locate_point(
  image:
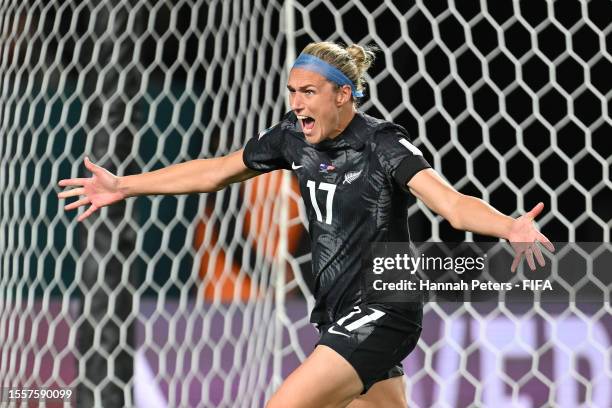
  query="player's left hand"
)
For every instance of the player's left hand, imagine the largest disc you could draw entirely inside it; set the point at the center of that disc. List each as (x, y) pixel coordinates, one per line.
(524, 238)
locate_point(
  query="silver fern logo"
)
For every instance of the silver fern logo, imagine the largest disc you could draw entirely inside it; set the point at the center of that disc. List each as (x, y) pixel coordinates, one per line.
(351, 176)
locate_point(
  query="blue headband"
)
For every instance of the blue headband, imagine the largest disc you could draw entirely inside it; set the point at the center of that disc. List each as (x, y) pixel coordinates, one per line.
(314, 64)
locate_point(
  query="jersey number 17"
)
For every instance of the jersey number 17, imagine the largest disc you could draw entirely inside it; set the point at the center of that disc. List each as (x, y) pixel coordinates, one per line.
(331, 189)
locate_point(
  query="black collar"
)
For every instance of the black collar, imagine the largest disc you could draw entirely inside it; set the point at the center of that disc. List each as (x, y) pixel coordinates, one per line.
(353, 136)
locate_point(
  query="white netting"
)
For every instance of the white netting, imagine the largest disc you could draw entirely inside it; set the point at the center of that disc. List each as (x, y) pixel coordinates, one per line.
(183, 299)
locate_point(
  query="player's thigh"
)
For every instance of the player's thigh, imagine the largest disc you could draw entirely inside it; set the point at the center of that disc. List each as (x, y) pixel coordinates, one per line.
(387, 393)
(324, 379)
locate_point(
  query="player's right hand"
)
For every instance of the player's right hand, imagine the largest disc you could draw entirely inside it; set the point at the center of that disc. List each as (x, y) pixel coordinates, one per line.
(100, 190)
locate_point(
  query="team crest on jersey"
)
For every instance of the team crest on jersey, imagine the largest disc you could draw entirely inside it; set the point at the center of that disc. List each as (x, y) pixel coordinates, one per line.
(351, 176)
(326, 168)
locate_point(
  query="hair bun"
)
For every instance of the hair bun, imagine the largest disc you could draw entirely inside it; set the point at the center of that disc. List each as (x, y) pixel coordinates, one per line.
(353, 61)
(363, 56)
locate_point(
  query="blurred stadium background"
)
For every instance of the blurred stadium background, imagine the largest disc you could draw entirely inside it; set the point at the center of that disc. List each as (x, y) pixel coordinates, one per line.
(202, 300)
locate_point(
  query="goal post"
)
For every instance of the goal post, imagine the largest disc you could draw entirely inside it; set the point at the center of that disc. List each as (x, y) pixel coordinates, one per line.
(509, 101)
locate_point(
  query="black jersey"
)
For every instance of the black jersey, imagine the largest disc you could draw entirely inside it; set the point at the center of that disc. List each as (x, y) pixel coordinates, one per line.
(354, 190)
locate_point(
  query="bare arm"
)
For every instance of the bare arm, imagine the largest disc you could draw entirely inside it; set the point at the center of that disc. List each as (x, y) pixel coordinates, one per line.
(195, 176)
(464, 212)
(469, 213)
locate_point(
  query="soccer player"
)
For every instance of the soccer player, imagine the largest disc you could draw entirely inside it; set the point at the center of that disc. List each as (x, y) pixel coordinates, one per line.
(355, 173)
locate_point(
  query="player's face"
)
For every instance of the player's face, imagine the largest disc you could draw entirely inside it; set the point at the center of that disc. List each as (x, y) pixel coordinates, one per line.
(317, 103)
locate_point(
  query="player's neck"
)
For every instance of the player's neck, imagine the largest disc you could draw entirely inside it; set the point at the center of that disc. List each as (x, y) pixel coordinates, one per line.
(346, 116)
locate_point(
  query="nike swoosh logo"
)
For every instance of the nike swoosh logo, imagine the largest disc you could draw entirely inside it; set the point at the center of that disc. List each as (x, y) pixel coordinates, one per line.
(332, 331)
(294, 166)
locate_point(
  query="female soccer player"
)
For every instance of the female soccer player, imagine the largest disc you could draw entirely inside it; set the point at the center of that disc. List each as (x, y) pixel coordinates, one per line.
(355, 174)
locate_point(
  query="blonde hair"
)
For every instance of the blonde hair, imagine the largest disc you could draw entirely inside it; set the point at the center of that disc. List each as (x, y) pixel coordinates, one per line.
(353, 60)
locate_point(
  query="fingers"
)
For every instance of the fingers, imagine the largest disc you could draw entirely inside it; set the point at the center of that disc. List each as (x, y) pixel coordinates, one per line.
(538, 255)
(79, 182)
(535, 211)
(71, 193)
(89, 165)
(516, 261)
(77, 204)
(87, 213)
(530, 261)
(547, 244)
(72, 182)
(529, 250)
(93, 168)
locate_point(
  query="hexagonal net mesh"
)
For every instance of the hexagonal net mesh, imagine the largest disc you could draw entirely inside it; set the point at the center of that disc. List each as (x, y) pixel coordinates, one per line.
(203, 300)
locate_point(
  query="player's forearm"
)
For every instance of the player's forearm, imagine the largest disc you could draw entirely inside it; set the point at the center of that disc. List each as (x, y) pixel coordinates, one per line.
(473, 214)
(195, 176)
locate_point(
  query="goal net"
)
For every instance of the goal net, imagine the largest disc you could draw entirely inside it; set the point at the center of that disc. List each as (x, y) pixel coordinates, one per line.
(203, 300)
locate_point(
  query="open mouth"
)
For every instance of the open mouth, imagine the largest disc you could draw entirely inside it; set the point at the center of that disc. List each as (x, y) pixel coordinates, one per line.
(307, 123)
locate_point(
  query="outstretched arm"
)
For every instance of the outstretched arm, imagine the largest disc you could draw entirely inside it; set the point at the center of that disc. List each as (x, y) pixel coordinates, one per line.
(195, 176)
(469, 213)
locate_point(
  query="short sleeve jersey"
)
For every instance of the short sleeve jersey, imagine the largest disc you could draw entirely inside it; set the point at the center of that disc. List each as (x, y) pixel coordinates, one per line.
(354, 191)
